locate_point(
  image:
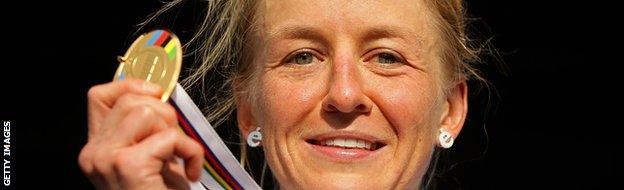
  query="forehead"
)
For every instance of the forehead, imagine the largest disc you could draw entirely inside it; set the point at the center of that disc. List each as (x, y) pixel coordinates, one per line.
(403, 18)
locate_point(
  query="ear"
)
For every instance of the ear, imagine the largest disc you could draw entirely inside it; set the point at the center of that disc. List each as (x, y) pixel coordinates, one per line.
(244, 114)
(455, 109)
(245, 117)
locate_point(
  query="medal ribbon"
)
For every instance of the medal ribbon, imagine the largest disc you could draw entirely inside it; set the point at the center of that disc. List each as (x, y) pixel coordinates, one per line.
(221, 169)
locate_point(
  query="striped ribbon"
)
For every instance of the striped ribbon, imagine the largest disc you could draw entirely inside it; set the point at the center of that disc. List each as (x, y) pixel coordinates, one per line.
(221, 169)
(161, 38)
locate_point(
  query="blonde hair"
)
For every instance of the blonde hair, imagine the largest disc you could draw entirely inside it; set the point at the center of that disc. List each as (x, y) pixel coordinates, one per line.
(222, 45)
(459, 52)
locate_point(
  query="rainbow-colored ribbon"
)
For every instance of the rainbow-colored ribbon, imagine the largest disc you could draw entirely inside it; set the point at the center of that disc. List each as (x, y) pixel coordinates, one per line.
(221, 169)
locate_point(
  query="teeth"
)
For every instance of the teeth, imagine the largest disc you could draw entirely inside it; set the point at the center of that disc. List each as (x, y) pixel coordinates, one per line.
(349, 143)
(340, 142)
(360, 144)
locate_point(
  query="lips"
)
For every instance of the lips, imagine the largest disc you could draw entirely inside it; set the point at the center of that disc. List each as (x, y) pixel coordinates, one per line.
(347, 143)
(345, 147)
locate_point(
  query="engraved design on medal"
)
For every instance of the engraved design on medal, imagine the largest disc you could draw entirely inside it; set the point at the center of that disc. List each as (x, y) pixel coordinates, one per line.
(155, 57)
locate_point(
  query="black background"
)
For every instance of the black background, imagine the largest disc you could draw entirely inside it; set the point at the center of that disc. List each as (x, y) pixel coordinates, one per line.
(552, 118)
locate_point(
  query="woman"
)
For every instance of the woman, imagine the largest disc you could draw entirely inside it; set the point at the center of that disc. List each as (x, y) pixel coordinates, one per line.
(346, 94)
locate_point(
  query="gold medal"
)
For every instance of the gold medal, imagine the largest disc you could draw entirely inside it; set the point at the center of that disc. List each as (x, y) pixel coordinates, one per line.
(155, 57)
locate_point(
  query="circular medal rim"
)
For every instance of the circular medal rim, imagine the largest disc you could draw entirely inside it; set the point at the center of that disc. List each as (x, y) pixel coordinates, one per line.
(177, 61)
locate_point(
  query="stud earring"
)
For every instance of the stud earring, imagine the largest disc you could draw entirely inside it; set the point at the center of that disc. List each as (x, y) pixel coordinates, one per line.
(254, 138)
(445, 138)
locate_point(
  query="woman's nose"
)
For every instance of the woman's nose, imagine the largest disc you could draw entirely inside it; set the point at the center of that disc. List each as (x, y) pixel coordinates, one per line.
(346, 93)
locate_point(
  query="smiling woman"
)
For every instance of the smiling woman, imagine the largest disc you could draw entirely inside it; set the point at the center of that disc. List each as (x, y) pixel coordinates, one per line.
(341, 91)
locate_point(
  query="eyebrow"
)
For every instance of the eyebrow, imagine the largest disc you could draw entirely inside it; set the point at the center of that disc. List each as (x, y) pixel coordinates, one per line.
(392, 31)
(297, 32)
(387, 31)
(312, 33)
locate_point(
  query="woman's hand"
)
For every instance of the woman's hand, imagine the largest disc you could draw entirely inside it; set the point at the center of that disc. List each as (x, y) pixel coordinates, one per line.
(134, 139)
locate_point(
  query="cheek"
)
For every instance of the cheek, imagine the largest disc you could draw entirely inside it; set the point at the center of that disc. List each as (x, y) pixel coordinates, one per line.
(284, 102)
(408, 106)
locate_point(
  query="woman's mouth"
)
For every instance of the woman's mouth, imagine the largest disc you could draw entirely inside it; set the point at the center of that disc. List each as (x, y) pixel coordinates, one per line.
(346, 143)
(345, 148)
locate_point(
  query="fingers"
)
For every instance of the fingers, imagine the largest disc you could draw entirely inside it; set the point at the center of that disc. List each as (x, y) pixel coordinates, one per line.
(148, 162)
(131, 120)
(171, 141)
(109, 92)
(102, 98)
(146, 165)
(128, 113)
(174, 175)
(99, 158)
(130, 102)
(86, 162)
(138, 124)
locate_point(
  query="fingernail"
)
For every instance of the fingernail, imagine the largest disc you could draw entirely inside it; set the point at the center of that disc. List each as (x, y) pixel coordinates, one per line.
(150, 87)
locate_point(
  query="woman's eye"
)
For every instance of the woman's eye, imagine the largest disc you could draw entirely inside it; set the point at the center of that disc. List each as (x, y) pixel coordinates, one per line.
(303, 58)
(386, 58)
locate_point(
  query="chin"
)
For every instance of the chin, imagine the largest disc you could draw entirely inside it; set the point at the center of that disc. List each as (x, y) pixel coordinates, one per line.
(341, 181)
(341, 161)
(345, 164)
(352, 158)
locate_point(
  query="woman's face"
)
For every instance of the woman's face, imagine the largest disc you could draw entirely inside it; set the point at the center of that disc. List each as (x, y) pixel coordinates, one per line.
(348, 93)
